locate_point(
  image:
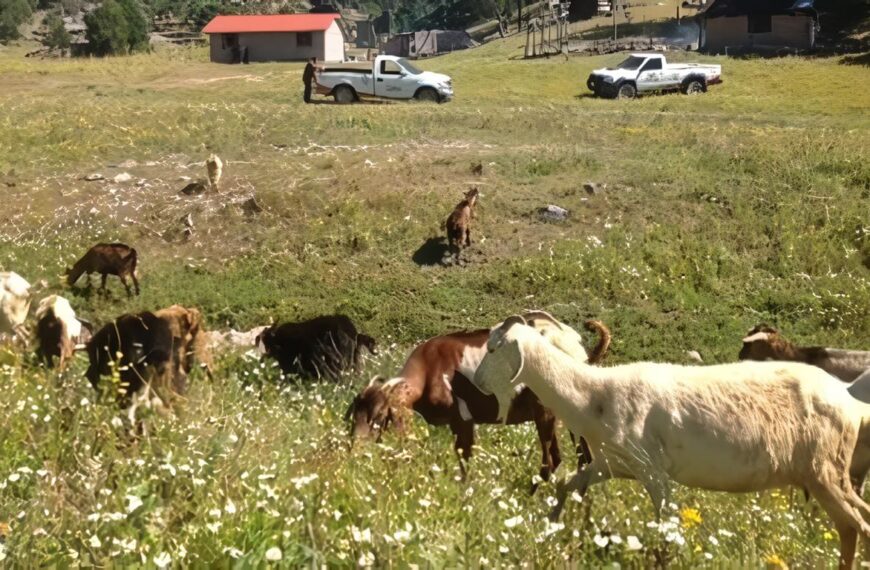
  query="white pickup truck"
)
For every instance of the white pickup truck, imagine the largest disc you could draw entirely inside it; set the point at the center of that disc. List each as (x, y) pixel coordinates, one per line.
(645, 72)
(388, 77)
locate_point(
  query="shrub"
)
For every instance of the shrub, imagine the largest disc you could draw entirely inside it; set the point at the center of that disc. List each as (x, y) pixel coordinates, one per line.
(13, 13)
(57, 37)
(117, 27)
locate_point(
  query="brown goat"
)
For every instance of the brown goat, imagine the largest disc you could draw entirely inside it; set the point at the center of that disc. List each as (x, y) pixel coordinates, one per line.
(107, 259)
(458, 224)
(434, 382)
(764, 342)
(190, 340)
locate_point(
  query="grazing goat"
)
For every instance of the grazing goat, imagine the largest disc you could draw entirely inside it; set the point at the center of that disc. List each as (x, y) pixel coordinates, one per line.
(141, 346)
(765, 343)
(434, 382)
(215, 167)
(107, 259)
(58, 332)
(190, 340)
(739, 427)
(14, 304)
(322, 347)
(458, 224)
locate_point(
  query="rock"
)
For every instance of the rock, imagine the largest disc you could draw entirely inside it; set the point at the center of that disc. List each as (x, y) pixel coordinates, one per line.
(184, 178)
(142, 183)
(123, 177)
(553, 213)
(195, 188)
(594, 188)
(695, 356)
(251, 207)
(94, 177)
(129, 163)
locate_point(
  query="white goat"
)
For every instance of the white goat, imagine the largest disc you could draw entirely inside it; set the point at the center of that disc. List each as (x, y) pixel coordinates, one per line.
(14, 304)
(738, 427)
(766, 343)
(215, 168)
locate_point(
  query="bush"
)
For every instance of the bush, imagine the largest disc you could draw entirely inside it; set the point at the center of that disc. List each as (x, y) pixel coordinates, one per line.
(117, 27)
(57, 37)
(13, 13)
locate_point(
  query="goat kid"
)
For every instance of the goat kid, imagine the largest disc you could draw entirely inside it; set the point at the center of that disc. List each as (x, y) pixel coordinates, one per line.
(107, 259)
(458, 224)
(741, 427)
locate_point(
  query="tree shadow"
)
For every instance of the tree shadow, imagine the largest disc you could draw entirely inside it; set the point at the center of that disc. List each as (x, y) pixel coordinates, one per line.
(863, 59)
(432, 252)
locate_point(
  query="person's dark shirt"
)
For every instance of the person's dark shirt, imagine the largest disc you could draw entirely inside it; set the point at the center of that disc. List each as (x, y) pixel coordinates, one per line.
(308, 74)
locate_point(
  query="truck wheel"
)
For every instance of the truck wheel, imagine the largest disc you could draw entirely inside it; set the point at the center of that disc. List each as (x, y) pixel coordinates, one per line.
(693, 87)
(626, 91)
(427, 95)
(344, 94)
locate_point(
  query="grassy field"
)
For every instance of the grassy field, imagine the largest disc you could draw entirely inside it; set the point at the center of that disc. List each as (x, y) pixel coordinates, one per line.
(747, 204)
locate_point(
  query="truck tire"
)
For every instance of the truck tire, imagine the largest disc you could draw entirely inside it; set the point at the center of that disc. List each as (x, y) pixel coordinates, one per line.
(626, 91)
(344, 94)
(427, 95)
(694, 86)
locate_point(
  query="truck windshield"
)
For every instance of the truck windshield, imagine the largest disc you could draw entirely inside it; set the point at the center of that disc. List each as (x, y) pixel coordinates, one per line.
(409, 67)
(631, 63)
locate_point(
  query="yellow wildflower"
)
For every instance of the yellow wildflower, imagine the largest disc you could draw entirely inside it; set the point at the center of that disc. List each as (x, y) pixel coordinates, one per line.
(690, 517)
(774, 562)
(828, 535)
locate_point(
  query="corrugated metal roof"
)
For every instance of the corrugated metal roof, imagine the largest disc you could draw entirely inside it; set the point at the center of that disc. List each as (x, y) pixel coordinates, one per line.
(720, 8)
(270, 23)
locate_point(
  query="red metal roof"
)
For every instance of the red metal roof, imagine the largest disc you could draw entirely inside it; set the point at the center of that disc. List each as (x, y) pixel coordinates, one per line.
(270, 23)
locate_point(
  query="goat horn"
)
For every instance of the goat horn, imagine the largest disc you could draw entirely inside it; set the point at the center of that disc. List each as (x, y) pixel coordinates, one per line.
(757, 336)
(542, 315)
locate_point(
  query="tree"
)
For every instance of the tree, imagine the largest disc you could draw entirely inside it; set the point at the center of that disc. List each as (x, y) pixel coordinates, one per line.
(58, 37)
(13, 13)
(137, 25)
(107, 29)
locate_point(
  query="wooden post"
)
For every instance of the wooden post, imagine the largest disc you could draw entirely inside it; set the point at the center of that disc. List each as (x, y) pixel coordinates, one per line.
(613, 11)
(520, 16)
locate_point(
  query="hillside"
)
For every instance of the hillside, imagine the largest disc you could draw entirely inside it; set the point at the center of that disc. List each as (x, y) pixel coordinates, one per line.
(746, 204)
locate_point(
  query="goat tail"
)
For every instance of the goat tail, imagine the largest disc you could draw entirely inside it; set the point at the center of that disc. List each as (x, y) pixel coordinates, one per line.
(604, 338)
(132, 258)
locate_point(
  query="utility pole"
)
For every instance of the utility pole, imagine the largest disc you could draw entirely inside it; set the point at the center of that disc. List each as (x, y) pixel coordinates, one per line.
(613, 11)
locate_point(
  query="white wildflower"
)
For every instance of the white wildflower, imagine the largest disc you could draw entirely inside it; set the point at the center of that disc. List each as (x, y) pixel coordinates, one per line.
(14, 477)
(601, 541)
(361, 535)
(503, 549)
(133, 503)
(366, 560)
(512, 522)
(95, 541)
(230, 507)
(162, 560)
(274, 554)
(633, 543)
(425, 503)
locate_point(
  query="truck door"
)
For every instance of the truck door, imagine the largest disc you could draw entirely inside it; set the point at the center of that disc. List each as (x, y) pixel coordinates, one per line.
(391, 81)
(650, 76)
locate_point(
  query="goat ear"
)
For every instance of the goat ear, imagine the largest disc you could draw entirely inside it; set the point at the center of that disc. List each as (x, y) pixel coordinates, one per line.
(351, 408)
(542, 315)
(514, 320)
(757, 336)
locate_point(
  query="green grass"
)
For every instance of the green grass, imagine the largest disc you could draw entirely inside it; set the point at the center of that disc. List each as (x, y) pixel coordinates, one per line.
(746, 204)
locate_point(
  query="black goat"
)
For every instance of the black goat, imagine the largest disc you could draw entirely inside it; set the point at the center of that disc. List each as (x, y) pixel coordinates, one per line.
(322, 347)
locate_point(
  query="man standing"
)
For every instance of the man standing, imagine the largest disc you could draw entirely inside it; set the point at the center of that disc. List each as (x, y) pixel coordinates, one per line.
(308, 77)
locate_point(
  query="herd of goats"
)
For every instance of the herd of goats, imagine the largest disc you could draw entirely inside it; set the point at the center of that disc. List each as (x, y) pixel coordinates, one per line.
(783, 415)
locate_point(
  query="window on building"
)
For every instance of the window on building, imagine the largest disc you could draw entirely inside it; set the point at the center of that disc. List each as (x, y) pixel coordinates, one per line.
(229, 41)
(303, 39)
(759, 23)
(390, 68)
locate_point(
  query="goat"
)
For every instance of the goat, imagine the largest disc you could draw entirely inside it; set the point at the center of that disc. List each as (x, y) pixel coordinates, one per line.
(107, 259)
(766, 343)
(322, 347)
(458, 224)
(58, 332)
(215, 167)
(190, 340)
(738, 427)
(15, 302)
(141, 346)
(434, 382)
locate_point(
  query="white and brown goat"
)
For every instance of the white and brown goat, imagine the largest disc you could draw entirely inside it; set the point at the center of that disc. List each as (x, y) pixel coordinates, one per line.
(59, 333)
(435, 382)
(764, 342)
